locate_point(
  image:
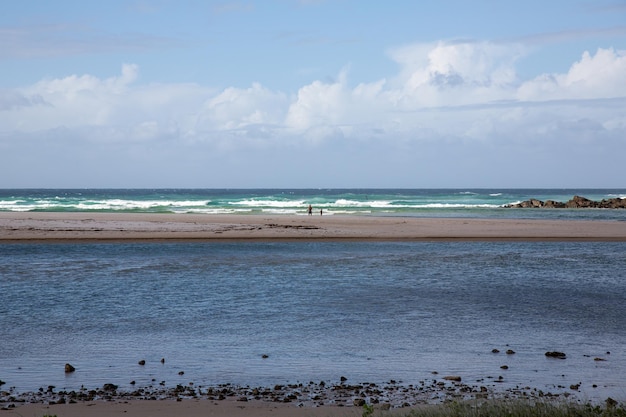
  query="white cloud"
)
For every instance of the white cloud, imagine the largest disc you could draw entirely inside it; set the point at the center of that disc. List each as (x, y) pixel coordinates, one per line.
(602, 75)
(235, 108)
(462, 99)
(93, 105)
(451, 77)
(73, 85)
(463, 63)
(459, 73)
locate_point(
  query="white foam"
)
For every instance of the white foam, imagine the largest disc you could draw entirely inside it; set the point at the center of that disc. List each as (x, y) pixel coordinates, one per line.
(269, 203)
(353, 203)
(118, 204)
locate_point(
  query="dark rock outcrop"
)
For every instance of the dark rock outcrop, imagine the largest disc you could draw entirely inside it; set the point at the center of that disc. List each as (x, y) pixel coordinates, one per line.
(575, 202)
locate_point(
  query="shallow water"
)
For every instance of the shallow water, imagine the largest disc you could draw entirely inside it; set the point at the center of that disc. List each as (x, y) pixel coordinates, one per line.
(370, 311)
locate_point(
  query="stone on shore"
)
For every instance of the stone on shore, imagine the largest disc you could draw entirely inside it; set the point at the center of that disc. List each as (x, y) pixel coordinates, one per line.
(109, 387)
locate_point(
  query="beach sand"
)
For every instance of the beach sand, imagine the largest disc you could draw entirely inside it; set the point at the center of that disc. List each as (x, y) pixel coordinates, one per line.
(44, 226)
(187, 408)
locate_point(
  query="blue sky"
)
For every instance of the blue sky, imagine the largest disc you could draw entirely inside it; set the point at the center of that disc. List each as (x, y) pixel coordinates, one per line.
(312, 93)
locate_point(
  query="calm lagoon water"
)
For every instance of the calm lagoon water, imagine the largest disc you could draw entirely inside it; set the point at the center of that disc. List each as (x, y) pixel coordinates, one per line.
(370, 311)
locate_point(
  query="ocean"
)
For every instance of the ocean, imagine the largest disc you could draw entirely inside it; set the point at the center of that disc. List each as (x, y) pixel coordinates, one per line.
(379, 202)
(266, 313)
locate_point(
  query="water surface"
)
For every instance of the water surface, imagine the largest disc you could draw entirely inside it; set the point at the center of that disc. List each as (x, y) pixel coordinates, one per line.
(370, 311)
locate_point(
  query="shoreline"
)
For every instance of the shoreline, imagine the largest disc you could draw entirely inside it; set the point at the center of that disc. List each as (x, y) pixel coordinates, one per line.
(102, 227)
(312, 399)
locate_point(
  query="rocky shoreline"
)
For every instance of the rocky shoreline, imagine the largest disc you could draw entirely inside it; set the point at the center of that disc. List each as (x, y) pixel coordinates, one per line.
(393, 394)
(575, 202)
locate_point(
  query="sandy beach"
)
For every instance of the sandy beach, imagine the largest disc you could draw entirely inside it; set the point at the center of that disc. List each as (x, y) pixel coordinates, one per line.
(187, 408)
(29, 226)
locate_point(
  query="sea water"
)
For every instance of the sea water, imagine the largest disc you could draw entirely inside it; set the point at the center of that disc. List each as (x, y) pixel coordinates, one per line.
(379, 202)
(264, 313)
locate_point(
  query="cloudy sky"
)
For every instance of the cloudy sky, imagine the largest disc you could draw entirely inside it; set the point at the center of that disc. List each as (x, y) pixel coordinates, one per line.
(313, 93)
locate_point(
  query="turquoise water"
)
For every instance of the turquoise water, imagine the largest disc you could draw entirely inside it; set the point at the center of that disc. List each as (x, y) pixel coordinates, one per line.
(388, 202)
(370, 311)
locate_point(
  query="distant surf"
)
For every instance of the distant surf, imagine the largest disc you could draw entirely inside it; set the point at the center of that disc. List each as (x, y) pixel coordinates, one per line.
(378, 202)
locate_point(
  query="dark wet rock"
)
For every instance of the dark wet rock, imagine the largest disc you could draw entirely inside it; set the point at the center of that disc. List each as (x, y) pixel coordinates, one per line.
(455, 378)
(504, 367)
(358, 402)
(69, 368)
(555, 354)
(109, 387)
(495, 350)
(162, 360)
(599, 359)
(142, 362)
(510, 352)
(575, 202)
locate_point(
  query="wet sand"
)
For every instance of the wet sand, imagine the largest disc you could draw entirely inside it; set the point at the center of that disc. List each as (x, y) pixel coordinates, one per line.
(187, 408)
(28, 226)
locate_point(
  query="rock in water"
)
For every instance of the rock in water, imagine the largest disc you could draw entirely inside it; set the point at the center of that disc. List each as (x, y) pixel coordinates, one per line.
(69, 368)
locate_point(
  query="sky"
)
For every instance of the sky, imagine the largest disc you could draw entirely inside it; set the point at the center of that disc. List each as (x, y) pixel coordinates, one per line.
(313, 94)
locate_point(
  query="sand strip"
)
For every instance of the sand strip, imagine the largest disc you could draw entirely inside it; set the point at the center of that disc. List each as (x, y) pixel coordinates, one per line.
(29, 226)
(187, 408)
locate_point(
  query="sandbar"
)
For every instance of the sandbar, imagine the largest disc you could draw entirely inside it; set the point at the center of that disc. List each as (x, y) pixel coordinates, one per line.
(84, 226)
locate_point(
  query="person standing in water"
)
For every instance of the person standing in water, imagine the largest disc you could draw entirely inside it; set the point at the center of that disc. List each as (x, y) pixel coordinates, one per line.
(310, 210)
